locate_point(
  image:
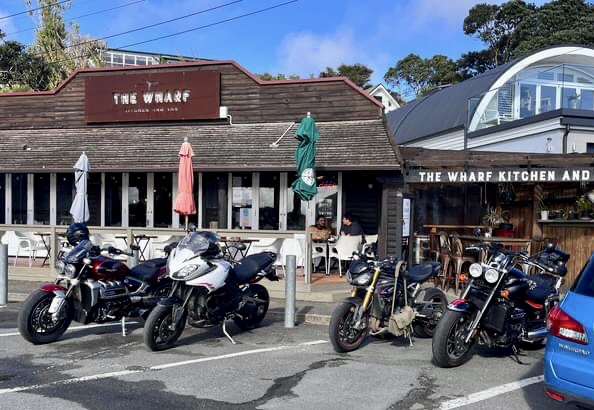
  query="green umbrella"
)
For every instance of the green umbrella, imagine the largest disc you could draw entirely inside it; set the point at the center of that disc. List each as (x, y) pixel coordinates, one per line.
(305, 157)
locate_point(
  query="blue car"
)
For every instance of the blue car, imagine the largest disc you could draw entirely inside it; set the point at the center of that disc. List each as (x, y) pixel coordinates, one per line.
(569, 355)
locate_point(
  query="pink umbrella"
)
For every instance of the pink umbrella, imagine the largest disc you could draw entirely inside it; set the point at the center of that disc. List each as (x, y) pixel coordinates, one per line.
(184, 203)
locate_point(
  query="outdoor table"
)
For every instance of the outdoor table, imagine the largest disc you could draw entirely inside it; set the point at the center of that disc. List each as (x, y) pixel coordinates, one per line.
(242, 252)
(137, 239)
(46, 244)
(500, 239)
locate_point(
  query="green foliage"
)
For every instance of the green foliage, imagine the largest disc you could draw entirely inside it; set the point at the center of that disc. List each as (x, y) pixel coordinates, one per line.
(357, 73)
(21, 70)
(415, 75)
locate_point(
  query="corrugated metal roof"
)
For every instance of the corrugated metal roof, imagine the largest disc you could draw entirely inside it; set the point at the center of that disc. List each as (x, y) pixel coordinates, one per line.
(440, 111)
(343, 145)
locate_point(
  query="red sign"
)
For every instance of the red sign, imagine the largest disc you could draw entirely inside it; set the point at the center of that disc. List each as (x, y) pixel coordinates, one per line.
(177, 95)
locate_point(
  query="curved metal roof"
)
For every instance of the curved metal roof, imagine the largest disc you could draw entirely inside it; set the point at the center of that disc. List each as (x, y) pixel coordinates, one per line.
(440, 111)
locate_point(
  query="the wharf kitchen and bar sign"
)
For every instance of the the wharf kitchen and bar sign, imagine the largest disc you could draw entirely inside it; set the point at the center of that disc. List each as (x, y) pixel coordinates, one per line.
(145, 96)
(501, 175)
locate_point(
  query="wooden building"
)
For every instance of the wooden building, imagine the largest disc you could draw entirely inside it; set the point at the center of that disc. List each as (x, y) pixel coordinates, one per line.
(132, 121)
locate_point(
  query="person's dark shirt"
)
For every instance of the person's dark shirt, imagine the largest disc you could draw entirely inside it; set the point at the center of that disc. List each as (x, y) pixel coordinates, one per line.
(353, 229)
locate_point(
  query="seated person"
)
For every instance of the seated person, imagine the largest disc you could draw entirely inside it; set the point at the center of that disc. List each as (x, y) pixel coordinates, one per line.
(319, 231)
(349, 226)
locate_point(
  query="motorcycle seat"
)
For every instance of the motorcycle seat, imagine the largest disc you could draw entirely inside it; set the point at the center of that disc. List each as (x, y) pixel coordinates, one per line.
(422, 272)
(148, 270)
(249, 266)
(544, 287)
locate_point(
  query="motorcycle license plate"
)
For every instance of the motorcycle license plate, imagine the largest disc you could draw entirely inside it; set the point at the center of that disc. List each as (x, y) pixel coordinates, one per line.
(56, 303)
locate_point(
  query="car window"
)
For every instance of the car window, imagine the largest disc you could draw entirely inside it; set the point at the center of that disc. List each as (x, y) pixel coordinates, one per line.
(584, 284)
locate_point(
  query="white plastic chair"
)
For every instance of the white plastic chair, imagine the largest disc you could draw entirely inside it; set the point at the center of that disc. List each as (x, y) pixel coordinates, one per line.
(319, 251)
(344, 248)
(29, 243)
(158, 244)
(265, 244)
(369, 240)
(290, 246)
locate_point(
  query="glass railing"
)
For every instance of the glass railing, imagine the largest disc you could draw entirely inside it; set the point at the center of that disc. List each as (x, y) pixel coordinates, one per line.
(532, 92)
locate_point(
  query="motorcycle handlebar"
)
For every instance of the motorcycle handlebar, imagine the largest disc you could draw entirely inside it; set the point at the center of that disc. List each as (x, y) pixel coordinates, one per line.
(116, 251)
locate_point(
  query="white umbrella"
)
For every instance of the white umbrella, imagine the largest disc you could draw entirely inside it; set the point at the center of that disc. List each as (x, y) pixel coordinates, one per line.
(80, 206)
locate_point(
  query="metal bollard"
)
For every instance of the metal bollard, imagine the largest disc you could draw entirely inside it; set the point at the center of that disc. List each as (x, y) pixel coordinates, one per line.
(133, 260)
(3, 274)
(290, 290)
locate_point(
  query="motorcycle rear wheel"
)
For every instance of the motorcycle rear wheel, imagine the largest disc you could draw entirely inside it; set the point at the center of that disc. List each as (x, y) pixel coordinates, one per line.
(253, 312)
(343, 336)
(157, 332)
(426, 327)
(449, 348)
(36, 325)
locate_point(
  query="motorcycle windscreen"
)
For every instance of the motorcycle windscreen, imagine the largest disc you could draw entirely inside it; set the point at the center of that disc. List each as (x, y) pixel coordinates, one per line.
(79, 252)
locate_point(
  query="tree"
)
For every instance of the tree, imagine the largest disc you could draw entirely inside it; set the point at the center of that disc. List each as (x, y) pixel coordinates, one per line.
(64, 51)
(359, 74)
(414, 76)
(475, 62)
(21, 70)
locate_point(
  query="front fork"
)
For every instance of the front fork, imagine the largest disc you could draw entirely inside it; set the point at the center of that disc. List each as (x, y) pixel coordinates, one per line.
(362, 308)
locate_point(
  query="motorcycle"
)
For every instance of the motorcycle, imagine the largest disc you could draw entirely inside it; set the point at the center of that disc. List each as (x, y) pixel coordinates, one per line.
(89, 288)
(386, 298)
(502, 306)
(208, 290)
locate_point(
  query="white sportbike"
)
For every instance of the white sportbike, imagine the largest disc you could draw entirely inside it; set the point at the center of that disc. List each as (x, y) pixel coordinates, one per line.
(208, 290)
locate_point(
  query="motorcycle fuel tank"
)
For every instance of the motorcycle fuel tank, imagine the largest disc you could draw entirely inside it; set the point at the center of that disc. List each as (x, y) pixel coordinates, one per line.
(215, 279)
(108, 269)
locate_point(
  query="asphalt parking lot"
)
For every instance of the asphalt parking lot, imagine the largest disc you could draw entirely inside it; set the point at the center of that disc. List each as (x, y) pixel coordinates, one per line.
(270, 367)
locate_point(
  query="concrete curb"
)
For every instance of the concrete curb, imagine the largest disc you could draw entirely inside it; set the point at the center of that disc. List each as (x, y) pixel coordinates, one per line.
(309, 318)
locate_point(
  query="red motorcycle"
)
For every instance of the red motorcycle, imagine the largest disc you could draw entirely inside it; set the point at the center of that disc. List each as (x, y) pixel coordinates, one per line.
(91, 287)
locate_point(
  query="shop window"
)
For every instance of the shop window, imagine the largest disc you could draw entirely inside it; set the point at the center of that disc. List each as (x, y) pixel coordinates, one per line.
(41, 199)
(327, 198)
(194, 217)
(296, 209)
(269, 200)
(214, 200)
(163, 199)
(19, 198)
(113, 199)
(65, 193)
(94, 198)
(242, 212)
(2, 198)
(590, 147)
(137, 199)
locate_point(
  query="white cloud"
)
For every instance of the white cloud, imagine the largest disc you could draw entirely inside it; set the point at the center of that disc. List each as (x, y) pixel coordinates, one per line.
(306, 53)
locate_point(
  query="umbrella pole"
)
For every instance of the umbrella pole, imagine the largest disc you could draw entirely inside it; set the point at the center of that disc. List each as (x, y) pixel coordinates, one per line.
(186, 223)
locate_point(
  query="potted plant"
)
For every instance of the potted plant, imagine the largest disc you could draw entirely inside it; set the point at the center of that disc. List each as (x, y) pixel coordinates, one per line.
(584, 206)
(495, 216)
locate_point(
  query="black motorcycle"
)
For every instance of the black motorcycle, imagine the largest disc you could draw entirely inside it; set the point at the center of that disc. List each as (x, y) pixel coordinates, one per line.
(386, 298)
(502, 306)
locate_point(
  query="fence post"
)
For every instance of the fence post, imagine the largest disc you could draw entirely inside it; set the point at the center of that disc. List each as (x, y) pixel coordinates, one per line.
(290, 290)
(3, 274)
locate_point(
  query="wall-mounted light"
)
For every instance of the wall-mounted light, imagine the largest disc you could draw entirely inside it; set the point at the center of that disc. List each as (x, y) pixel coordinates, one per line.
(549, 145)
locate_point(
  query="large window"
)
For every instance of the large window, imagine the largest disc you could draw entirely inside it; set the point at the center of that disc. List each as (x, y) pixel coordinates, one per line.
(163, 199)
(65, 193)
(94, 198)
(137, 199)
(327, 198)
(41, 199)
(296, 209)
(214, 200)
(241, 217)
(113, 199)
(19, 198)
(269, 200)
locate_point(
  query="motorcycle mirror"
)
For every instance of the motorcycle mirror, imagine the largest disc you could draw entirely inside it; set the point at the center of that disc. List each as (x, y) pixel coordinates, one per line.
(191, 227)
(476, 232)
(135, 247)
(550, 246)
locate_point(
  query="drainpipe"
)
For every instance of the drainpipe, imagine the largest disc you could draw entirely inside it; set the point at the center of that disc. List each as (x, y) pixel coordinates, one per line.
(565, 134)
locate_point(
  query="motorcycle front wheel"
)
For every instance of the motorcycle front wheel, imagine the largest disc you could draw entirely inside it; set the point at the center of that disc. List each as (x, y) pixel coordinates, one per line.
(160, 332)
(254, 310)
(35, 322)
(343, 334)
(449, 346)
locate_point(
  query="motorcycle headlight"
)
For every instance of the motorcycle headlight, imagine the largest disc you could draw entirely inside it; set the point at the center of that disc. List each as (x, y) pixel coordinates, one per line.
(475, 270)
(184, 272)
(60, 265)
(491, 275)
(360, 280)
(70, 270)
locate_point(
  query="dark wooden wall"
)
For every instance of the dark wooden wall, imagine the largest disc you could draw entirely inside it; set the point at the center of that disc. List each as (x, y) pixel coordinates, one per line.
(248, 100)
(577, 240)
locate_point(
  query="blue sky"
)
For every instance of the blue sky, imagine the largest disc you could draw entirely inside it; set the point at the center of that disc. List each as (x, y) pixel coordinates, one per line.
(299, 38)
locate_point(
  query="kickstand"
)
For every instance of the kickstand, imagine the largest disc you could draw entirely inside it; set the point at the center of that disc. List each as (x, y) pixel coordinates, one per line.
(516, 352)
(123, 326)
(227, 334)
(410, 342)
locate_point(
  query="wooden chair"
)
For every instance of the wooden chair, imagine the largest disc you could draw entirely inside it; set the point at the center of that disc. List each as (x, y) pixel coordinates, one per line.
(443, 257)
(458, 260)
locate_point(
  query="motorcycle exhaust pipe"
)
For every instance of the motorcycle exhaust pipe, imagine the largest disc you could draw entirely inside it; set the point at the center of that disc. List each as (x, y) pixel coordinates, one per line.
(537, 334)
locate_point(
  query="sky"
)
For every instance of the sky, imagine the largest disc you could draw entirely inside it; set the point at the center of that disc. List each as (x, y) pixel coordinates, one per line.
(303, 37)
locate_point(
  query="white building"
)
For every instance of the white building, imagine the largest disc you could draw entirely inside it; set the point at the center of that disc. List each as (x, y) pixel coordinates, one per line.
(383, 95)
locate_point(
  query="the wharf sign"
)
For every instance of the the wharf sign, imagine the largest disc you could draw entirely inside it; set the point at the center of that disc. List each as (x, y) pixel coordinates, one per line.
(495, 175)
(152, 96)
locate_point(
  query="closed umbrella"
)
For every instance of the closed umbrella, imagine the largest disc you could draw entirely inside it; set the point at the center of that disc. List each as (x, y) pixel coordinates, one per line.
(305, 158)
(80, 206)
(184, 203)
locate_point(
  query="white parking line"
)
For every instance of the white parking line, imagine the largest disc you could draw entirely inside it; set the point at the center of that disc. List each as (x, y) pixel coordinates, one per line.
(76, 328)
(489, 393)
(159, 367)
